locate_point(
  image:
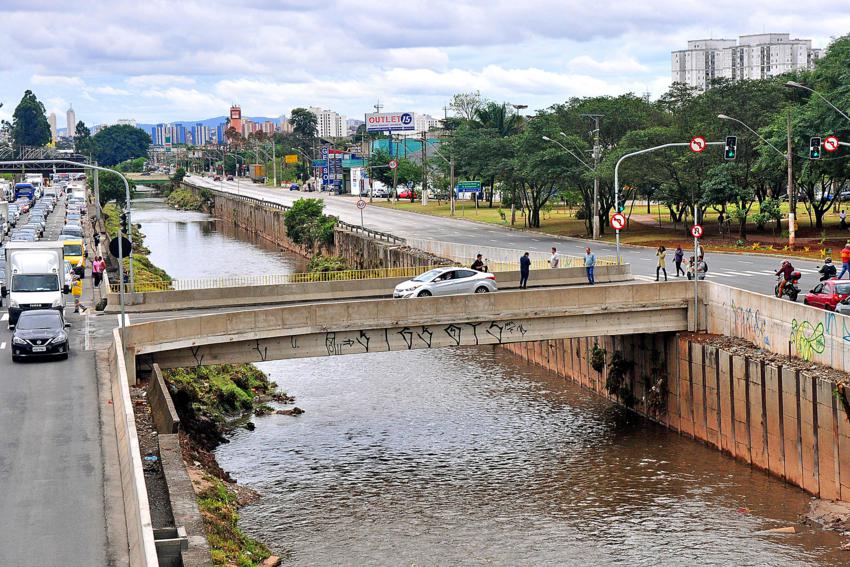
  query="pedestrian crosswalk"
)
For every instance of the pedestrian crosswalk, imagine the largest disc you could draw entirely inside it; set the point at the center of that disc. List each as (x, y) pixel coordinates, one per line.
(721, 275)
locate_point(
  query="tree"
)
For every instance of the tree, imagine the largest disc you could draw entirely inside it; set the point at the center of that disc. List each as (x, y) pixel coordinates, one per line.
(466, 104)
(29, 123)
(112, 188)
(304, 123)
(115, 144)
(82, 139)
(307, 225)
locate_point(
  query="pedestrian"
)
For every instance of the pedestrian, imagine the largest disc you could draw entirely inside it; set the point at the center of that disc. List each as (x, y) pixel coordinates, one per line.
(555, 260)
(691, 268)
(678, 257)
(77, 292)
(524, 269)
(843, 216)
(720, 220)
(96, 238)
(97, 269)
(478, 264)
(589, 264)
(845, 261)
(702, 268)
(662, 263)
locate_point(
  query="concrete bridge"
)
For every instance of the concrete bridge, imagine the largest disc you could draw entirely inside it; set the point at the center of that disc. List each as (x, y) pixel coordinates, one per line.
(356, 327)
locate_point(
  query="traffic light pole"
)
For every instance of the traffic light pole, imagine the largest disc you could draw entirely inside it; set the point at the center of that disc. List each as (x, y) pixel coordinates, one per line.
(617, 178)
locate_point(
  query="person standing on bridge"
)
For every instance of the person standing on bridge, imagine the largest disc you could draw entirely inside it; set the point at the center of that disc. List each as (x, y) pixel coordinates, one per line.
(555, 260)
(845, 261)
(97, 268)
(524, 269)
(678, 257)
(589, 264)
(662, 263)
(478, 264)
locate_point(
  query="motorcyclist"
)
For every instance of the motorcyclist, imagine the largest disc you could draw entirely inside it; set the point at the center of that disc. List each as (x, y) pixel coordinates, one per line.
(828, 271)
(785, 270)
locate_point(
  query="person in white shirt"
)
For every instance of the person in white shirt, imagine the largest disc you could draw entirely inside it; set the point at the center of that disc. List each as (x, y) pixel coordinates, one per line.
(555, 260)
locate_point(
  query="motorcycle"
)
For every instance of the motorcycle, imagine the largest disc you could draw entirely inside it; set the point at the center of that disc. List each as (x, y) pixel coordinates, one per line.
(791, 289)
(826, 274)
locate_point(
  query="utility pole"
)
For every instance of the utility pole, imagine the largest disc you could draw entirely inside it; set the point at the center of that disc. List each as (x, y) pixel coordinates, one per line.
(424, 168)
(792, 194)
(597, 151)
(368, 153)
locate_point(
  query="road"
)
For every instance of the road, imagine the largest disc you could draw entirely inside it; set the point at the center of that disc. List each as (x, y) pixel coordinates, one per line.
(753, 272)
(52, 492)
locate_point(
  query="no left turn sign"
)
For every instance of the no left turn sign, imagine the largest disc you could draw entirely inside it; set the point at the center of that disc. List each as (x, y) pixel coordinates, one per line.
(697, 144)
(696, 230)
(393, 164)
(618, 221)
(830, 143)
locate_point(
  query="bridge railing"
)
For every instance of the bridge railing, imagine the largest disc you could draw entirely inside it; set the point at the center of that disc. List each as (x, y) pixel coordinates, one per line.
(496, 258)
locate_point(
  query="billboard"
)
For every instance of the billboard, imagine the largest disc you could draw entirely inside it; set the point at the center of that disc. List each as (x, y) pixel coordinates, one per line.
(390, 122)
(291, 158)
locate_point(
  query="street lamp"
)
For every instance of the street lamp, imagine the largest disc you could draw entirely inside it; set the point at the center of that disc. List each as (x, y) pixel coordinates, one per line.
(595, 212)
(796, 85)
(792, 203)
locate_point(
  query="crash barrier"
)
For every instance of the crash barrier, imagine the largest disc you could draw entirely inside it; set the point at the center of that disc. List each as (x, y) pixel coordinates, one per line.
(332, 290)
(137, 514)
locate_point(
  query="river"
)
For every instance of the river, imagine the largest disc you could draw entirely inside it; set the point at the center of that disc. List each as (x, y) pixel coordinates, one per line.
(473, 457)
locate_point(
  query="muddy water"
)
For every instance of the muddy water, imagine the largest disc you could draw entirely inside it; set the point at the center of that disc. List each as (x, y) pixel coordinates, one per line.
(471, 457)
(195, 245)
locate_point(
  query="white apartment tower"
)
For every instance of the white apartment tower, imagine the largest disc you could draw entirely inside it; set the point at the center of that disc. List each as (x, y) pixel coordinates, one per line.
(71, 118)
(758, 56)
(329, 124)
(51, 119)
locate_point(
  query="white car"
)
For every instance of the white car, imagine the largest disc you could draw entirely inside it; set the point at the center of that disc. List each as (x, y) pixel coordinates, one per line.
(446, 281)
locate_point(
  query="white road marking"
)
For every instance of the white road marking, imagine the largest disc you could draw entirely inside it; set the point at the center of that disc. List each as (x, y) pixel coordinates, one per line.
(2, 346)
(644, 278)
(807, 271)
(5, 317)
(723, 275)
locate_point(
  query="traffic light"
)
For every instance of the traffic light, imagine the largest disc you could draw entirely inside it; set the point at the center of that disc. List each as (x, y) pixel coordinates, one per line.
(814, 148)
(124, 228)
(731, 147)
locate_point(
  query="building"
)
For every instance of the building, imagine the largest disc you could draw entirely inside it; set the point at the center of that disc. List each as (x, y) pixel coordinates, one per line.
(200, 134)
(52, 121)
(285, 126)
(126, 122)
(424, 123)
(329, 124)
(71, 118)
(757, 56)
(235, 120)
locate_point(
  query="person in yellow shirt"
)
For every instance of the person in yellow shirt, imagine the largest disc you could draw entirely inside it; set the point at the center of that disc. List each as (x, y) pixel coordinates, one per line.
(77, 292)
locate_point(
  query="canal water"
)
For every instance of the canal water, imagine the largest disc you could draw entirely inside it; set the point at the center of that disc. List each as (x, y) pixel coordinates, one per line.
(473, 457)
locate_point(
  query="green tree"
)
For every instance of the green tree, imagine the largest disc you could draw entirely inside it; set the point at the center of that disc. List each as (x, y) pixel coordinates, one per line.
(307, 225)
(115, 144)
(111, 188)
(82, 139)
(304, 123)
(29, 123)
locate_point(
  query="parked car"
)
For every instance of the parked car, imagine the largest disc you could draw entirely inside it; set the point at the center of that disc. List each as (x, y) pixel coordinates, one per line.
(294, 187)
(407, 193)
(446, 281)
(40, 332)
(827, 294)
(216, 177)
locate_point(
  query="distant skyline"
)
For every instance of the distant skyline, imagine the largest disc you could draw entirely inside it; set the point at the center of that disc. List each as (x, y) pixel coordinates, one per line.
(165, 61)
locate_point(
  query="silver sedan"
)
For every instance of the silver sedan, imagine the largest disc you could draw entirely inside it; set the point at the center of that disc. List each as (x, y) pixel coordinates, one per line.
(447, 281)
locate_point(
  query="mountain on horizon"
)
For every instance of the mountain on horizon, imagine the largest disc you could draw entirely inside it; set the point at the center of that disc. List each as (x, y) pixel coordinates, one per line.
(210, 122)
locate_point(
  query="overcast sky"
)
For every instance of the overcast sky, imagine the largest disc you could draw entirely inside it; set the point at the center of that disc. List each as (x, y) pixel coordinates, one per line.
(156, 60)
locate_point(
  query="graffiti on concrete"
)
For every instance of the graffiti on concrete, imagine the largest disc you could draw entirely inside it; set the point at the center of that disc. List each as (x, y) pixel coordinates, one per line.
(750, 324)
(831, 322)
(807, 339)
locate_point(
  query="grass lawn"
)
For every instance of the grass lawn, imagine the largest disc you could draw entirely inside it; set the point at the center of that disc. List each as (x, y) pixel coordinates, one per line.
(655, 228)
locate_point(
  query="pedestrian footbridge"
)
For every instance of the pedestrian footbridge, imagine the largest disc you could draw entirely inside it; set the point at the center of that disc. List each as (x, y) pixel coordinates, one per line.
(367, 326)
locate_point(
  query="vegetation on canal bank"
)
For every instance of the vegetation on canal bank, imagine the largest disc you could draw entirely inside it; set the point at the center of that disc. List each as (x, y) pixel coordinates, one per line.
(320, 263)
(184, 200)
(144, 270)
(211, 400)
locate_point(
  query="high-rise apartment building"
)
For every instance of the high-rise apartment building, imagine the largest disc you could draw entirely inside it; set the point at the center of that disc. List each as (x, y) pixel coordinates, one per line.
(757, 56)
(52, 121)
(329, 124)
(71, 119)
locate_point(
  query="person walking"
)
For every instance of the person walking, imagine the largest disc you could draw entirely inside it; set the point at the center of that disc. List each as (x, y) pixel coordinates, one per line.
(589, 264)
(555, 260)
(843, 216)
(678, 257)
(97, 269)
(77, 292)
(96, 238)
(478, 264)
(845, 261)
(524, 269)
(662, 263)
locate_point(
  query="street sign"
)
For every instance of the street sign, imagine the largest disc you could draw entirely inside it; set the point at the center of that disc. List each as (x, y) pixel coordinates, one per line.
(830, 143)
(126, 246)
(696, 231)
(618, 221)
(290, 158)
(697, 144)
(468, 186)
(361, 204)
(393, 164)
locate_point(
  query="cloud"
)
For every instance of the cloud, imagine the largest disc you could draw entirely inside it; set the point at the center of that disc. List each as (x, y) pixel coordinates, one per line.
(586, 63)
(158, 80)
(57, 80)
(108, 90)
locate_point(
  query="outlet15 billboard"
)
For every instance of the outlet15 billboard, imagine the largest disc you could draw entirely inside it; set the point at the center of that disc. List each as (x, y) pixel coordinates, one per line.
(389, 122)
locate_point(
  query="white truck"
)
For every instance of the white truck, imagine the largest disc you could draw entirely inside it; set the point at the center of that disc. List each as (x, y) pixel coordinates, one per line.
(35, 277)
(37, 181)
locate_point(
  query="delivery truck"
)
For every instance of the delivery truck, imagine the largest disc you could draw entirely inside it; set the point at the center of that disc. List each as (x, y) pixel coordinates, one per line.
(34, 277)
(257, 172)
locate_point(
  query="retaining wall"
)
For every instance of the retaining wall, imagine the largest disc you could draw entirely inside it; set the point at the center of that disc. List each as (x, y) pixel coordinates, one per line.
(776, 418)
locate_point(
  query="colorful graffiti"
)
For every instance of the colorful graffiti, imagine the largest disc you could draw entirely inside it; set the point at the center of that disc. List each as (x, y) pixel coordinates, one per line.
(750, 324)
(831, 322)
(807, 339)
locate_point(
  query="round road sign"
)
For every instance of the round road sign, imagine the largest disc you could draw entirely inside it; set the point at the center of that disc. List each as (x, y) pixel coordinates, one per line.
(125, 244)
(830, 143)
(618, 221)
(393, 164)
(696, 230)
(697, 144)
(361, 204)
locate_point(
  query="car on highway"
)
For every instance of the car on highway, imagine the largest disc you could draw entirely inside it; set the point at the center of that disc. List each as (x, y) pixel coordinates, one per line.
(828, 294)
(40, 332)
(293, 187)
(23, 236)
(229, 178)
(71, 231)
(446, 281)
(216, 177)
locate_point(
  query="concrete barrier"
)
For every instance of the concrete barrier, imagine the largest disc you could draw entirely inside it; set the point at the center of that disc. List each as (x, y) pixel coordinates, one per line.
(334, 290)
(136, 508)
(164, 415)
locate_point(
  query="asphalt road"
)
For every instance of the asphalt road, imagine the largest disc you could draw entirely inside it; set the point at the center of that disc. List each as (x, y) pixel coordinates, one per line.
(753, 272)
(52, 496)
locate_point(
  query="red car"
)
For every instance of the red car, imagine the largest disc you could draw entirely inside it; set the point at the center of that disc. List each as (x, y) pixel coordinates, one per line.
(406, 194)
(217, 178)
(826, 295)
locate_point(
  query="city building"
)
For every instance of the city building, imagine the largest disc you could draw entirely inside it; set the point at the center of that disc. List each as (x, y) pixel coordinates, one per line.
(329, 124)
(757, 56)
(126, 122)
(285, 126)
(71, 118)
(52, 121)
(424, 122)
(235, 120)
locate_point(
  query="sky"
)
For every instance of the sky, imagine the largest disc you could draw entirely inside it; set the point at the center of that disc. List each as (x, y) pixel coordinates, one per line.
(162, 61)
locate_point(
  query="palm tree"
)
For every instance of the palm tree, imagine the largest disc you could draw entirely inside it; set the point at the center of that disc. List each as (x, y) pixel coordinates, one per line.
(503, 121)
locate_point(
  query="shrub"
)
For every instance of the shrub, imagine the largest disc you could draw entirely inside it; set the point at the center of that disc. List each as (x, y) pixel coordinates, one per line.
(307, 225)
